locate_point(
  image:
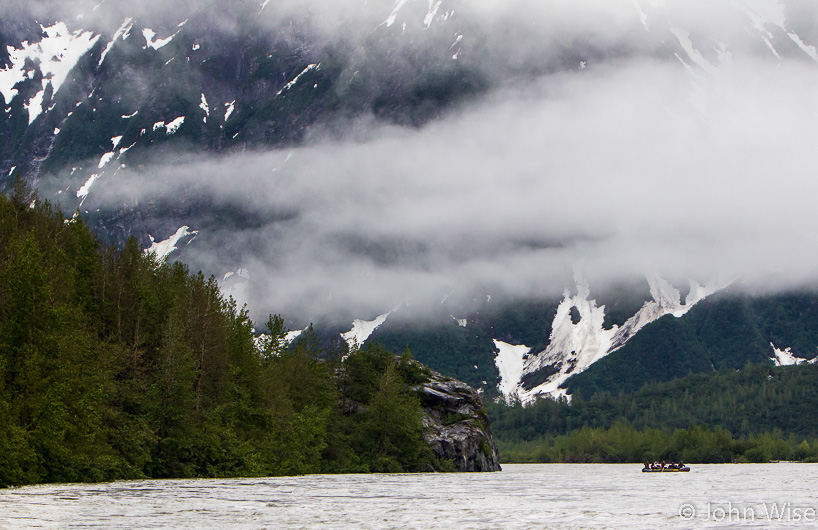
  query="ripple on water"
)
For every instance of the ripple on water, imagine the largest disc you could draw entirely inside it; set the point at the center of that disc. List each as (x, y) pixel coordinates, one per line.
(521, 497)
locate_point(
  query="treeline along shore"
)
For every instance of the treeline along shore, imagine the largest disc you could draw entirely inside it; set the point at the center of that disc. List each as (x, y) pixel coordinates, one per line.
(115, 365)
(757, 414)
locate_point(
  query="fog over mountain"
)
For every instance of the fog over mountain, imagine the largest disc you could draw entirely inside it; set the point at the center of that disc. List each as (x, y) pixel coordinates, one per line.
(612, 170)
(609, 139)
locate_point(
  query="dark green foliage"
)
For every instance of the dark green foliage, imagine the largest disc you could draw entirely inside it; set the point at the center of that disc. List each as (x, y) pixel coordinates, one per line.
(383, 419)
(754, 414)
(412, 372)
(468, 353)
(664, 350)
(113, 365)
(390, 431)
(622, 443)
(790, 320)
(727, 330)
(451, 419)
(450, 349)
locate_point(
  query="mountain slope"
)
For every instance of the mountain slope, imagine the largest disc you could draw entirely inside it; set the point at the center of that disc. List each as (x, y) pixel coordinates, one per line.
(728, 330)
(331, 161)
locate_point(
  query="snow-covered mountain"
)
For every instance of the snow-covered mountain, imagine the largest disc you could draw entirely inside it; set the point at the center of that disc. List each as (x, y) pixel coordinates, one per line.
(574, 346)
(57, 75)
(329, 160)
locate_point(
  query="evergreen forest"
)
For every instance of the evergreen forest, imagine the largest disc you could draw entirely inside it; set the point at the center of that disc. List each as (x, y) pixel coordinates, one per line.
(757, 414)
(115, 365)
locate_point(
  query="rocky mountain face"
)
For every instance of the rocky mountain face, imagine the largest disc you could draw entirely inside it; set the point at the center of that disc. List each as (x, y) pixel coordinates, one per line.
(92, 96)
(456, 424)
(208, 132)
(212, 80)
(88, 89)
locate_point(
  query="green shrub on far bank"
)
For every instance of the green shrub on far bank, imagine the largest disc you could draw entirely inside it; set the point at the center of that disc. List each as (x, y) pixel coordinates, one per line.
(623, 444)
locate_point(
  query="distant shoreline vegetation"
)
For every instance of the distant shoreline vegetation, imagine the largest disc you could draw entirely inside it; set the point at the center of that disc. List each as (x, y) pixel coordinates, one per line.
(757, 414)
(622, 444)
(114, 365)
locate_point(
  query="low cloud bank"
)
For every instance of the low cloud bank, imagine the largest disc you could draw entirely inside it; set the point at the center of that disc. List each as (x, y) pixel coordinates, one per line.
(619, 170)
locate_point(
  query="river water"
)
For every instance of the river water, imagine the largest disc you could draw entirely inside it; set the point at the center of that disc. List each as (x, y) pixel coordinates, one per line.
(520, 497)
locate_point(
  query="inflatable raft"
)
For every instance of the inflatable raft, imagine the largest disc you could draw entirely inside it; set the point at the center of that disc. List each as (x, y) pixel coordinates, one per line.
(666, 470)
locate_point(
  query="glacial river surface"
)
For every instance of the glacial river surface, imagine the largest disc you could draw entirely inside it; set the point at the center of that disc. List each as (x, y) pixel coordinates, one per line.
(520, 497)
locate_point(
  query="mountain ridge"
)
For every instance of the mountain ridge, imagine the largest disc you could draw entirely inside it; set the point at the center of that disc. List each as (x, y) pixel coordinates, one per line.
(302, 142)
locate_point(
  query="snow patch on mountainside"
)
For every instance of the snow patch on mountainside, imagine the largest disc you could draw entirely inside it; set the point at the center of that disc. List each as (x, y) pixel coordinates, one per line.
(34, 107)
(292, 335)
(229, 108)
(457, 40)
(123, 32)
(236, 284)
(509, 360)
(205, 107)
(104, 159)
(764, 12)
(430, 15)
(57, 53)
(695, 55)
(573, 347)
(666, 301)
(764, 16)
(82, 193)
(241, 273)
(785, 357)
(362, 329)
(759, 23)
(296, 78)
(164, 248)
(643, 17)
(170, 127)
(809, 50)
(174, 125)
(289, 337)
(428, 18)
(149, 35)
(394, 14)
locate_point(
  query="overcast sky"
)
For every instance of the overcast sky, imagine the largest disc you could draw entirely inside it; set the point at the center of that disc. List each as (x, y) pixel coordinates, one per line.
(634, 164)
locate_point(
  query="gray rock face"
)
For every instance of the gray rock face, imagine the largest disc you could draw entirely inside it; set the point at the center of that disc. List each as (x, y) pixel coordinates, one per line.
(457, 425)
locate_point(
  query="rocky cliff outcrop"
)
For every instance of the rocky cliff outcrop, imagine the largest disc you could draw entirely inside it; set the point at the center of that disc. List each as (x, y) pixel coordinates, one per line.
(457, 425)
